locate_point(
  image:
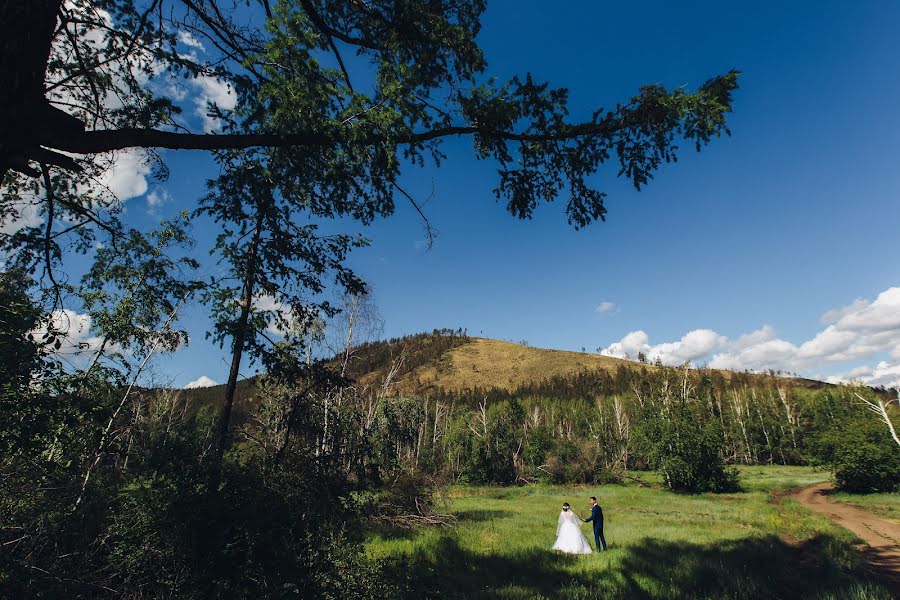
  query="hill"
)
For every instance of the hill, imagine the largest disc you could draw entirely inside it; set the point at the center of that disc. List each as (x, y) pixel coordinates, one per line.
(448, 362)
(482, 363)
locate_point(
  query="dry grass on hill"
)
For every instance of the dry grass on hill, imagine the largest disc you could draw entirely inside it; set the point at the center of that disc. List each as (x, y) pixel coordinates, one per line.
(484, 363)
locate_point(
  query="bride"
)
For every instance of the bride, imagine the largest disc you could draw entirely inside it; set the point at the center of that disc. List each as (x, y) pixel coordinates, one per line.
(569, 538)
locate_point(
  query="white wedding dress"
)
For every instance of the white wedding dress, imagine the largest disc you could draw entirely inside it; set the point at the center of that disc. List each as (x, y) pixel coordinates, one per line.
(569, 538)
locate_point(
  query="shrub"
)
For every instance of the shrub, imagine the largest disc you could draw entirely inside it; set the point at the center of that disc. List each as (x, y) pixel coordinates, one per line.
(866, 459)
(688, 452)
(855, 444)
(868, 468)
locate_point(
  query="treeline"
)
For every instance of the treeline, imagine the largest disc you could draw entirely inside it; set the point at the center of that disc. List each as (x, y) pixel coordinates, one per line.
(595, 426)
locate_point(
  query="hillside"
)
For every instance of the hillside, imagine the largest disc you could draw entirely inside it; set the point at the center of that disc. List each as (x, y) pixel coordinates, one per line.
(447, 362)
(481, 363)
(450, 362)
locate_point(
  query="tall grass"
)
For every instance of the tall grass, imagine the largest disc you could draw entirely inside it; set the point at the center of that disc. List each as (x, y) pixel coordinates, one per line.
(661, 545)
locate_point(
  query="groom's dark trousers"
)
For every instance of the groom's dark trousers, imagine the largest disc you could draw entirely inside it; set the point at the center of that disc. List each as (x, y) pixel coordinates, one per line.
(597, 518)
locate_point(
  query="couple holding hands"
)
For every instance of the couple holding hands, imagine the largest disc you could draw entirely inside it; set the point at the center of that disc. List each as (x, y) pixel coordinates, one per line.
(569, 538)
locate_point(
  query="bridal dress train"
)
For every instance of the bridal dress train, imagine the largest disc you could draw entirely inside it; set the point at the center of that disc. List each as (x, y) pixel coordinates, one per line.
(569, 538)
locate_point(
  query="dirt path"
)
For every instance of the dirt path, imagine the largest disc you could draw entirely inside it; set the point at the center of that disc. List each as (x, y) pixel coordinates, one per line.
(881, 535)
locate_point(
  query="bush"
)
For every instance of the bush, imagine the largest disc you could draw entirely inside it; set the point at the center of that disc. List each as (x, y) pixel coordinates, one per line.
(868, 468)
(866, 459)
(688, 452)
(855, 444)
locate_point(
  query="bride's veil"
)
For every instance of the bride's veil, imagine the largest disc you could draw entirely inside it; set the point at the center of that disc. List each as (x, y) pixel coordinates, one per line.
(564, 516)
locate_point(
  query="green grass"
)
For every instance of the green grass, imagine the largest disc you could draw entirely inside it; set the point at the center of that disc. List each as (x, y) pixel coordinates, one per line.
(886, 505)
(774, 477)
(662, 545)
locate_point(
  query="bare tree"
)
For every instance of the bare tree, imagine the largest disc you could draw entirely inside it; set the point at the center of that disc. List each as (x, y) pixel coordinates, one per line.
(880, 408)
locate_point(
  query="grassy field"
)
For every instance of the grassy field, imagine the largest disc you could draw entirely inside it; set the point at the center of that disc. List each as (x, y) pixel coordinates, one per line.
(662, 545)
(886, 505)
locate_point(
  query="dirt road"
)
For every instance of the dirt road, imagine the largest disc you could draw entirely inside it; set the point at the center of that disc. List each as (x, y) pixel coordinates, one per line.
(881, 535)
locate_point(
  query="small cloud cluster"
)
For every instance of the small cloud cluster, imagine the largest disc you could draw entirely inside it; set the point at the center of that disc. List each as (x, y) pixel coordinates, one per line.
(692, 346)
(201, 382)
(75, 330)
(606, 308)
(127, 175)
(188, 39)
(156, 199)
(25, 215)
(212, 91)
(859, 331)
(276, 310)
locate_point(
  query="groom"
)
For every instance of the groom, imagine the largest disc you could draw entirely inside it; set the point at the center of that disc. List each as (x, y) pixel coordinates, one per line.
(597, 518)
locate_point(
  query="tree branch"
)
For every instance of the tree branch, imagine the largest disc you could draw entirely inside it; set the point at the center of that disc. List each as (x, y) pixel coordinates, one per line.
(48, 237)
(430, 232)
(106, 140)
(322, 26)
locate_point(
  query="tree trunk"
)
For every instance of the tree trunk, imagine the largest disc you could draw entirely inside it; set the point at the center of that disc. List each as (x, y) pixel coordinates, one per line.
(240, 337)
(27, 120)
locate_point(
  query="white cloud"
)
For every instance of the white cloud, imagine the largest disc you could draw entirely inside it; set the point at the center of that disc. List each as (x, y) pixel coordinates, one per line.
(882, 314)
(188, 39)
(212, 91)
(835, 314)
(156, 199)
(628, 346)
(75, 330)
(270, 305)
(831, 342)
(606, 307)
(862, 330)
(759, 352)
(882, 374)
(127, 175)
(26, 215)
(693, 345)
(201, 382)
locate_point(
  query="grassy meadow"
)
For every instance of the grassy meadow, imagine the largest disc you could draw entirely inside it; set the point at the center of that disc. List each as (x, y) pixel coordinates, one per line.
(753, 544)
(886, 505)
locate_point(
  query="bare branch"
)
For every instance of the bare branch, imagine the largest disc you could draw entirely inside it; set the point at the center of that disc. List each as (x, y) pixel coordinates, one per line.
(879, 407)
(430, 231)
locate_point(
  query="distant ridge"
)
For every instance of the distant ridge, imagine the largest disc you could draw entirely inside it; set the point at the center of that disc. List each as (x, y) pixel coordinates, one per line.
(468, 363)
(448, 361)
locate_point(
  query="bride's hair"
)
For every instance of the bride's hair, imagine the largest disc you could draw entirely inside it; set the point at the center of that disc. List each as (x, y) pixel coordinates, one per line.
(565, 506)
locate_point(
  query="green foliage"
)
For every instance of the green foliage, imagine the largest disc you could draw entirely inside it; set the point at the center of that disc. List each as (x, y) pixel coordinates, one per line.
(20, 355)
(172, 522)
(868, 465)
(855, 443)
(133, 290)
(688, 450)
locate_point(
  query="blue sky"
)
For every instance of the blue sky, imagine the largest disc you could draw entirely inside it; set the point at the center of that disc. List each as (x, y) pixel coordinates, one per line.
(759, 235)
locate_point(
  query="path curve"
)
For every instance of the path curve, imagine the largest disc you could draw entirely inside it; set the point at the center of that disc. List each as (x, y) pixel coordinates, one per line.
(881, 535)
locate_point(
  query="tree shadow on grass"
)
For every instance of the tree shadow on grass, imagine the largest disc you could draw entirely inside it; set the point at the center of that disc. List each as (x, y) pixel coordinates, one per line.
(392, 532)
(477, 515)
(762, 567)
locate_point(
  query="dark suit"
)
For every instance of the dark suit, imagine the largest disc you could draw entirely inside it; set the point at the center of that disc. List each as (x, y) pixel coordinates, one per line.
(597, 518)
